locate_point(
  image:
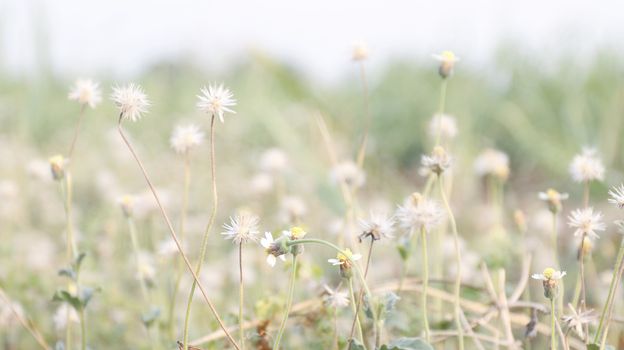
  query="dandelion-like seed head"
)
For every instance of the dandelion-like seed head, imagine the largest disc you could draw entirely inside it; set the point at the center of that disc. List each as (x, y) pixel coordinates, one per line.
(418, 213)
(360, 52)
(447, 61)
(216, 100)
(554, 199)
(242, 228)
(131, 101)
(438, 161)
(57, 166)
(617, 196)
(86, 92)
(587, 166)
(335, 298)
(492, 162)
(378, 225)
(586, 222)
(576, 320)
(444, 125)
(186, 137)
(349, 173)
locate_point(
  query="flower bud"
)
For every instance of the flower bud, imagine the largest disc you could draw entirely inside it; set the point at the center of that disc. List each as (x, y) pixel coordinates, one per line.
(57, 166)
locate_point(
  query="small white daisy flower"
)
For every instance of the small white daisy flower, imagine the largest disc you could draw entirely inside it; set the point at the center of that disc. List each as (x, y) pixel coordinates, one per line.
(216, 100)
(378, 225)
(549, 274)
(349, 173)
(447, 61)
(587, 166)
(492, 162)
(360, 52)
(186, 137)
(443, 124)
(345, 257)
(272, 248)
(617, 196)
(586, 222)
(131, 101)
(418, 212)
(86, 92)
(553, 198)
(242, 228)
(335, 298)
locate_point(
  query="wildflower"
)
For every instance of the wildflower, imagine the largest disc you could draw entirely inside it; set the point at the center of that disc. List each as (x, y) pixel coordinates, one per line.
(86, 92)
(492, 162)
(620, 225)
(587, 166)
(292, 209)
(57, 166)
(345, 260)
(617, 196)
(549, 278)
(273, 160)
(520, 221)
(131, 101)
(127, 205)
(216, 100)
(186, 137)
(576, 320)
(419, 213)
(378, 225)
(443, 124)
(242, 228)
(294, 234)
(586, 222)
(273, 249)
(349, 173)
(447, 61)
(360, 52)
(553, 199)
(335, 298)
(437, 162)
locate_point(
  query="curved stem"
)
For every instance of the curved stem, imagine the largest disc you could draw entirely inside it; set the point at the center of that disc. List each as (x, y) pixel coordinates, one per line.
(291, 291)
(553, 330)
(355, 312)
(204, 243)
(612, 288)
(457, 286)
(361, 295)
(423, 235)
(175, 237)
(441, 106)
(137, 258)
(76, 132)
(241, 296)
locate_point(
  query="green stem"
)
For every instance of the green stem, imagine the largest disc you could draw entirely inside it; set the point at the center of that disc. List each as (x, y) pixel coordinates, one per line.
(457, 285)
(241, 296)
(355, 312)
(612, 289)
(204, 243)
(83, 330)
(291, 291)
(553, 329)
(441, 110)
(66, 194)
(423, 235)
(137, 258)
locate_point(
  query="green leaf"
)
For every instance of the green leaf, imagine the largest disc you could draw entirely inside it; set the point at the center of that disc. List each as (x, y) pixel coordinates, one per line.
(78, 261)
(65, 296)
(149, 317)
(593, 347)
(391, 300)
(68, 272)
(356, 345)
(86, 294)
(407, 344)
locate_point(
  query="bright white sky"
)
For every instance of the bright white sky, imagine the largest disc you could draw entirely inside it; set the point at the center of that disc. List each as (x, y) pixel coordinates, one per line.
(123, 36)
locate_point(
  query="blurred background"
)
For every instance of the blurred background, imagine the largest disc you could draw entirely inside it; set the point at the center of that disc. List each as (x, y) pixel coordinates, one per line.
(537, 80)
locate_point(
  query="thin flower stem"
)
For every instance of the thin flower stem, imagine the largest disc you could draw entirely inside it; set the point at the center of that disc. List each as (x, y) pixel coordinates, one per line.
(137, 258)
(66, 194)
(360, 297)
(457, 286)
(553, 330)
(76, 132)
(241, 296)
(204, 243)
(179, 265)
(175, 237)
(586, 194)
(612, 289)
(423, 236)
(441, 107)
(555, 243)
(25, 323)
(83, 329)
(291, 291)
(355, 312)
(362, 151)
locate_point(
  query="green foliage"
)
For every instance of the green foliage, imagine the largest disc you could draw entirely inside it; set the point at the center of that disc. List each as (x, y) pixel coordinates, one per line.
(407, 344)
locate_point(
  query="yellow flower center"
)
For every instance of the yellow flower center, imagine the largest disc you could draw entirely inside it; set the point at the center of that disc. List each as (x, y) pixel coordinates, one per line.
(448, 56)
(297, 232)
(549, 272)
(346, 255)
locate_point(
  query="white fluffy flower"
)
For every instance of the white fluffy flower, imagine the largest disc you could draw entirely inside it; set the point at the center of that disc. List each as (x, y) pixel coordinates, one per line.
(131, 101)
(617, 196)
(272, 248)
(292, 208)
(273, 160)
(444, 124)
(216, 100)
(418, 212)
(261, 183)
(492, 162)
(185, 137)
(349, 173)
(587, 166)
(335, 298)
(585, 221)
(437, 162)
(360, 51)
(242, 228)
(377, 225)
(86, 92)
